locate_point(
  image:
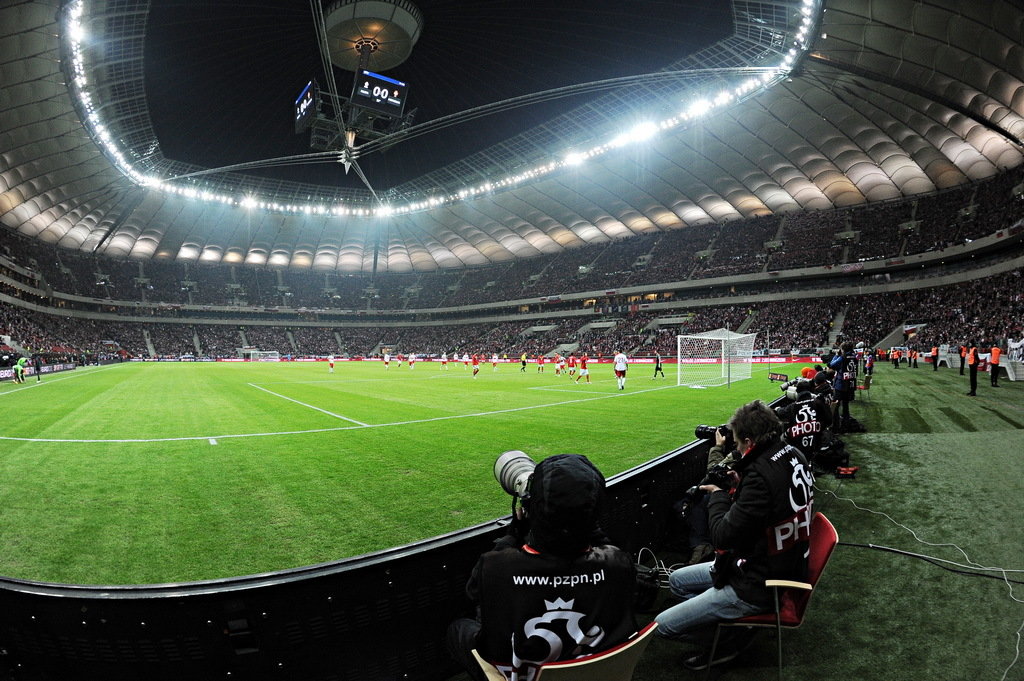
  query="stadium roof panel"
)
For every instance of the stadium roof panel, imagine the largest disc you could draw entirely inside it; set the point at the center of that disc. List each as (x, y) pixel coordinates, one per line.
(894, 98)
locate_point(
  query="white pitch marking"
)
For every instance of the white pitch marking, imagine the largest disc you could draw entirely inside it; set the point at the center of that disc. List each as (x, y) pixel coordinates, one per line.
(360, 426)
(213, 440)
(310, 406)
(81, 371)
(574, 391)
(348, 381)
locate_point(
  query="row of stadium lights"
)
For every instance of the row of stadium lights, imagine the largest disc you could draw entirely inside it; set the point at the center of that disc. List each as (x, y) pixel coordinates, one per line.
(639, 133)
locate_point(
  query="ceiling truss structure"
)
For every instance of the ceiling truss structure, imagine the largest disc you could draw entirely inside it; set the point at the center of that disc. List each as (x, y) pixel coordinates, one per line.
(896, 98)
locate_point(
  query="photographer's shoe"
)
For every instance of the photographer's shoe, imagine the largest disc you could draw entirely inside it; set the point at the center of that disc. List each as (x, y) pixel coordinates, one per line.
(732, 644)
(972, 394)
(701, 662)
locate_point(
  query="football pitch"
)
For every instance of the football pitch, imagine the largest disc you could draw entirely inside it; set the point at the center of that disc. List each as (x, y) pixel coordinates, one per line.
(164, 472)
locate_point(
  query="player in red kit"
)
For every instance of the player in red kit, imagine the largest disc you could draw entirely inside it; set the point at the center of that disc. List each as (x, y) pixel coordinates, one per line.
(476, 364)
(584, 371)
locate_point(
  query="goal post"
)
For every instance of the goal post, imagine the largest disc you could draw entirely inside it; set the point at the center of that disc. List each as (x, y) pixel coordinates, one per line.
(713, 358)
(253, 354)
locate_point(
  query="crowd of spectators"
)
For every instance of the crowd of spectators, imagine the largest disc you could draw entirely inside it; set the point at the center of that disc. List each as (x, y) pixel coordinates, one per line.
(218, 341)
(794, 323)
(739, 248)
(772, 242)
(878, 230)
(269, 338)
(661, 336)
(809, 239)
(983, 309)
(31, 270)
(172, 340)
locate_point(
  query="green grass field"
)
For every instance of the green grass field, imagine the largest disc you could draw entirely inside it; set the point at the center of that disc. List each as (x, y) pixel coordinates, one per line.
(168, 472)
(148, 473)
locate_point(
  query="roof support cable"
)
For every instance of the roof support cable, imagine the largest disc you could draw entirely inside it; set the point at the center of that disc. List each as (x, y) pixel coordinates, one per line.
(325, 57)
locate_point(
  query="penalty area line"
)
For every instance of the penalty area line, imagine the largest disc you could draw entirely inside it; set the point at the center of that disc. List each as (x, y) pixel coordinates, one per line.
(516, 409)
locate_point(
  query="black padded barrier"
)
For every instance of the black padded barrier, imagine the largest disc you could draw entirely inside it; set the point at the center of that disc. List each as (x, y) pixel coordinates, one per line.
(378, 617)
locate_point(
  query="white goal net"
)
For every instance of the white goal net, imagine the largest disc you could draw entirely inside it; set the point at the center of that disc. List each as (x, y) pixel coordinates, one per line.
(257, 355)
(713, 358)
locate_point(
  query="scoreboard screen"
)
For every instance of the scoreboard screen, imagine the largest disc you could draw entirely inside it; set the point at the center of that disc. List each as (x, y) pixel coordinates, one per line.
(305, 107)
(379, 93)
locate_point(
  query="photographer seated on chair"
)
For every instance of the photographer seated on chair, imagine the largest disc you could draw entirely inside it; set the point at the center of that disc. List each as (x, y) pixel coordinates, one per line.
(553, 588)
(760, 531)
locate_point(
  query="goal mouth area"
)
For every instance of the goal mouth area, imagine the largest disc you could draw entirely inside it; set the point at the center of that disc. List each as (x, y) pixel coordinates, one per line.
(713, 358)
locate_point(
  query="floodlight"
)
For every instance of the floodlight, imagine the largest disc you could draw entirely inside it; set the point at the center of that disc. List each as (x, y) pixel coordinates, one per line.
(76, 30)
(637, 133)
(698, 108)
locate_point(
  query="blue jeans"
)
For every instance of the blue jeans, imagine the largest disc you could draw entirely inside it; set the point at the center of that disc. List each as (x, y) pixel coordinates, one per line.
(702, 606)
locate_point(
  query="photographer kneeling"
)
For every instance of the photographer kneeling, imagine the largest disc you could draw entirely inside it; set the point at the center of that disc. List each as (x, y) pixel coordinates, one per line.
(553, 588)
(760, 531)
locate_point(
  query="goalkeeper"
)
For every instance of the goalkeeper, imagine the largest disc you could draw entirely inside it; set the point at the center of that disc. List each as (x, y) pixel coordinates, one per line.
(19, 369)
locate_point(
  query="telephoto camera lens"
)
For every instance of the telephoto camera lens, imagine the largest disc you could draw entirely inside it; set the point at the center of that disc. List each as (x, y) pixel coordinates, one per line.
(705, 432)
(512, 470)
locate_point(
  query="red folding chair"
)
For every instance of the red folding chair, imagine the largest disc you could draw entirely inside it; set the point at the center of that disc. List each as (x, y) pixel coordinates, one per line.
(791, 598)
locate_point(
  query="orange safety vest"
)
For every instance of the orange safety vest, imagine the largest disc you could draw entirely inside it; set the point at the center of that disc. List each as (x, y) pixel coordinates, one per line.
(994, 359)
(971, 358)
(963, 350)
(935, 351)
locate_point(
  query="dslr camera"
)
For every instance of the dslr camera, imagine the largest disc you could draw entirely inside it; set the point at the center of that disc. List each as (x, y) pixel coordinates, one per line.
(704, 432)
(717, 475)
(790, 383)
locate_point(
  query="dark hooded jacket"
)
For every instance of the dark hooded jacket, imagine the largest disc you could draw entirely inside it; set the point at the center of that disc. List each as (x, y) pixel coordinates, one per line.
(563, 593)
(764, 527)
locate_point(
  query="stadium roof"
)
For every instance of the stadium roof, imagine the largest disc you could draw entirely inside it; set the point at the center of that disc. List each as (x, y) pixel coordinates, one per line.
(802, 106)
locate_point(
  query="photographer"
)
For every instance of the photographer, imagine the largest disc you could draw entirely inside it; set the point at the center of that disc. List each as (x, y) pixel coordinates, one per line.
(553, 588)
(845, 384)
(761, 532)
(808, 421)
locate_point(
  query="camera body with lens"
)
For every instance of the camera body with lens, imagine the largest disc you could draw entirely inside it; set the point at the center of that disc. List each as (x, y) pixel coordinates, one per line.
(705, 432)
(718, 474)
(513, 471)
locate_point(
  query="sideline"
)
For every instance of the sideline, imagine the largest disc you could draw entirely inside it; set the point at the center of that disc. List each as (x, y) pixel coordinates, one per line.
(58, 378)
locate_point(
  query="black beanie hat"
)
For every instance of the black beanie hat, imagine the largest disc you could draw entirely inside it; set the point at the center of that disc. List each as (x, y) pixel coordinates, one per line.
(566, 494)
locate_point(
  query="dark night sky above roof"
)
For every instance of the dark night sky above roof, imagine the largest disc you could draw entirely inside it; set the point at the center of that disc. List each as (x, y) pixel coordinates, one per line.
(221, 77)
